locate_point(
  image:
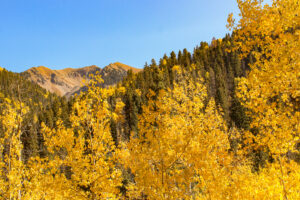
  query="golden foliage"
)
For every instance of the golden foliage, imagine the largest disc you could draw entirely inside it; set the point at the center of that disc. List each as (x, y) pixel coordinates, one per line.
(183, 147)
(13, 174)
(83, 159)
(181, 150)
(271, 90)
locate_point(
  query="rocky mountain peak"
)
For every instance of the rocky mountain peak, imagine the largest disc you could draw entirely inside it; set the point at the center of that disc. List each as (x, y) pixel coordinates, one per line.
(66, 82)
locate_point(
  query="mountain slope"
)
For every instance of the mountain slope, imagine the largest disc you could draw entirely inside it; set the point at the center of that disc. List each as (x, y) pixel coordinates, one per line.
(43, 107)
(68, 81)
(115, 72)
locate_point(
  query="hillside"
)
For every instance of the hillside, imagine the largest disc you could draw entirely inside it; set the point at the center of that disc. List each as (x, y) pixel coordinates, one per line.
(43, 107)
(68, 81)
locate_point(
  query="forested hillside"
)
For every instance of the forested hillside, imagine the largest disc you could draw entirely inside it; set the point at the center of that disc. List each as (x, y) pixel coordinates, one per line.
(43, 107)
(213, 62)
(221, 122)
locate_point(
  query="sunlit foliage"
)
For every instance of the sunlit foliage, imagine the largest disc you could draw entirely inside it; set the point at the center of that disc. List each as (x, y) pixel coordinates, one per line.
(181, 150)
(82, 161)
(179, 144)
(271, 90)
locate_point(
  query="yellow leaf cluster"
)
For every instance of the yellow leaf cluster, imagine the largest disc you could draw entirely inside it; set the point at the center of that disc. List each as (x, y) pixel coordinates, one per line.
(181, 150)
(270, 32)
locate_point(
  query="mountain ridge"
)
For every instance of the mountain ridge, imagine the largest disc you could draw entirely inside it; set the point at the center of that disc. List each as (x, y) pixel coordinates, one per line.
(68, 81)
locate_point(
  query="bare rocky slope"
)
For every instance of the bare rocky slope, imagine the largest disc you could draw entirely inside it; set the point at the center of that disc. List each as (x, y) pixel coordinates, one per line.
(69, 81)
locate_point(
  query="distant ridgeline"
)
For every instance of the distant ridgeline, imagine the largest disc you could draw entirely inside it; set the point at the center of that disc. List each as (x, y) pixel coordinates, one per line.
(213, 62)
(69, 81)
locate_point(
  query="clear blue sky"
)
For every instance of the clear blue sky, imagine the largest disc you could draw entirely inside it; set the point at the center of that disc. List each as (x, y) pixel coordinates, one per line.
(77, 33)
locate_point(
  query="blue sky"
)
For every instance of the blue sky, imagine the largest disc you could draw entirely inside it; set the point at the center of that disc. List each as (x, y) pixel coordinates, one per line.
(77, 33)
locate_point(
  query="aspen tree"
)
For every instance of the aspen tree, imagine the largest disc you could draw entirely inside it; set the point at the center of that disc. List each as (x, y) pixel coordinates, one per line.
(181, 150)
(13, 170)
(270, 32)
(83, 159)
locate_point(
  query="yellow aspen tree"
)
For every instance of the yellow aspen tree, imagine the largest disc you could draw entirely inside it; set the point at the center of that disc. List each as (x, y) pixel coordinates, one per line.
(13, 170)
(265, 184)
(181, 150)
(271, 90)
(83, 159)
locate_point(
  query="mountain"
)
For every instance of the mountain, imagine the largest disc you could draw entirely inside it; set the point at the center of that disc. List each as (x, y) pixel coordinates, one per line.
(68, 81)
